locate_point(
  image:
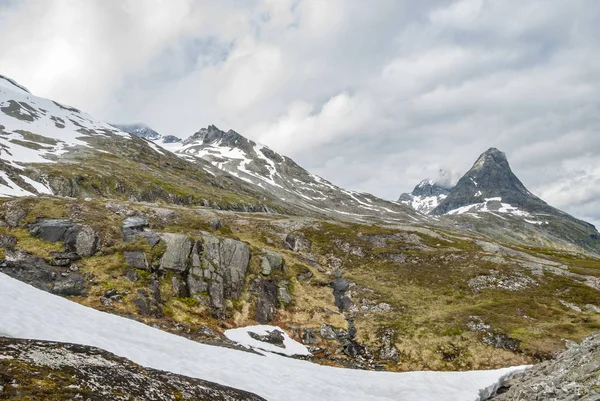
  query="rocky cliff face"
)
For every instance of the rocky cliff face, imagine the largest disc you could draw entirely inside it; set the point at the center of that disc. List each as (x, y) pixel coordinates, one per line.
(43, 370)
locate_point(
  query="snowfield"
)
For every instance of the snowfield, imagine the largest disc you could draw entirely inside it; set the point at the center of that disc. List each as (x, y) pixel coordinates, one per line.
(33, 314)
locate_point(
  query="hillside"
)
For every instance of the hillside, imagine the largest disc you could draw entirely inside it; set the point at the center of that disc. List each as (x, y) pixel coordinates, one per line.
(217, 232)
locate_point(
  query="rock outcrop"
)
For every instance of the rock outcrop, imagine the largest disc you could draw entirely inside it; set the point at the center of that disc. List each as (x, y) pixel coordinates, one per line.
(78, 372)
(573, 375)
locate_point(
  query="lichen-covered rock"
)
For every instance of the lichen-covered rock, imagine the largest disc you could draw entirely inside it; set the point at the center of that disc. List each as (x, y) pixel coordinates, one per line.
(136, 259)
(308, 337)
(14, 212)
(388, 352)
(178, 249)
(95, 375)
(573, 375)
(218, 265)
(327, 332)
(81, 239)
(271, 261)
(297, 242)
(283, 292)
(72, 285)
(7, 241)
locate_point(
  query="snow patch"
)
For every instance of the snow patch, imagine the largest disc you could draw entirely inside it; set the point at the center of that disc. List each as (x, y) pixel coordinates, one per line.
(242, 336)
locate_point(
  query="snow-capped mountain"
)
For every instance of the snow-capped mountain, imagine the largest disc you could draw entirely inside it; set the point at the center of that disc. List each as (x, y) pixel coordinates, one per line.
(425, 197)
(281, 177)
(38, 130)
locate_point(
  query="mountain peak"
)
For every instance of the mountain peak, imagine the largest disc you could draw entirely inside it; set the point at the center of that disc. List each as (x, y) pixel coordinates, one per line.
(491, 156)
(490, 178)
(6, 82)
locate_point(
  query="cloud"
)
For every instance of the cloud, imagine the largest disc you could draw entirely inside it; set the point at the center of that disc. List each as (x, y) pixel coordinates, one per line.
(373, 96)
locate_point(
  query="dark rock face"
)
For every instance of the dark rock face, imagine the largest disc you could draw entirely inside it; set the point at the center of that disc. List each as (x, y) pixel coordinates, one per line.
(573, 375)
(36, 272)
(51, 230)
(426, 188)
(491, 177)
(95, 375)
(266, 306)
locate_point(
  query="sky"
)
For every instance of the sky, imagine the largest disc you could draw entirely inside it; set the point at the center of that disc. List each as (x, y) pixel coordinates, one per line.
(372, 95)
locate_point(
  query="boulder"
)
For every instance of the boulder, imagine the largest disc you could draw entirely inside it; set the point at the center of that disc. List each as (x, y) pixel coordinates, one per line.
(7, 241)
(73, 285)
(81, 239)
(51, 230)
(388, 352)
(274, 337)
(14, 213)
(176, 255)
(283, 293)
(132, 275)
(308, 337)
(340, 286)
(327, 332)
(271, 261)
(136, 259)
(135, 223)
(297, 242)
(266, 306)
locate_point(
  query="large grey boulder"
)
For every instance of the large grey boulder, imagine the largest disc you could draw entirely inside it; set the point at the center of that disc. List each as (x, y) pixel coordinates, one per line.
(14, 213)
(178, 249)
(81, 239)
(51, 230)
(271, 261)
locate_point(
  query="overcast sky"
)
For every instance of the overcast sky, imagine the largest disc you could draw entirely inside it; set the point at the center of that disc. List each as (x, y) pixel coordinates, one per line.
(372, 95)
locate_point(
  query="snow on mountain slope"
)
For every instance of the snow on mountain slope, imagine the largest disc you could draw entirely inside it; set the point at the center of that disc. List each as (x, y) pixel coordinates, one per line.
(281, 176)
(38, 130)
(425, 197)
(34, 314)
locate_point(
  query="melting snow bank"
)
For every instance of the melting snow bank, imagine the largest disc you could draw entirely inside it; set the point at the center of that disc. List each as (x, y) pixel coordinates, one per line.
(267, 338)
(33, 314)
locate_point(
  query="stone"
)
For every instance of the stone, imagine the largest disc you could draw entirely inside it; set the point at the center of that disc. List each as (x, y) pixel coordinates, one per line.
(297, 242)
(327, 332)
(274, 337)
(283, 293)
(266, 306)
(51, 230)
(180, 288)
(136, 259)
(135, 223)
(176, 255)
(388, 352)
(570, 306)
(305, 276)
(7, 241)
(215, 223)
(60, 262)
(132, 275)
(14, 213)
(73, 256)
(106, 301)
(308, 337)
(74, 285)
(110, 293)
(592, 308)
(271, 261)
(572, 375)
(81, 239)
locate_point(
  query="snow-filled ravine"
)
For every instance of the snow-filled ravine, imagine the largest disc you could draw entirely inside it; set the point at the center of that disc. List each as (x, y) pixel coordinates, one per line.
(33, 314)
